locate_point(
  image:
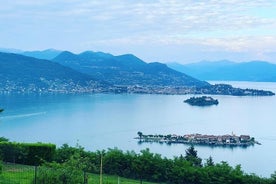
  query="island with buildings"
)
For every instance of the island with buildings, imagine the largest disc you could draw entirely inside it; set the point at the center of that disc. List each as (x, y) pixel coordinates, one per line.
(199, 139)
(201, 101)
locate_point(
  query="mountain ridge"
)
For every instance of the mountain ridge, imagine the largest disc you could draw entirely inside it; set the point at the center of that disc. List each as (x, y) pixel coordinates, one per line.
(255, 71)
(27, 74)
(125, 69)
(47, 54)
(105, 73)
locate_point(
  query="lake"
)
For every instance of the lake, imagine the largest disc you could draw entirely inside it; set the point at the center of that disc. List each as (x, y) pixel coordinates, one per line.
(102, 121)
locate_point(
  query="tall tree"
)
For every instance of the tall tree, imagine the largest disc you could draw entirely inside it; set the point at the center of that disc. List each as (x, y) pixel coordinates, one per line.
(210, 162)
(140, 134)
(191, 156)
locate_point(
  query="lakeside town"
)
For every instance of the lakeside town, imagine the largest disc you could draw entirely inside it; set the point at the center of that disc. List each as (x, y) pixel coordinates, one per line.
(200, 139)
(64, 87)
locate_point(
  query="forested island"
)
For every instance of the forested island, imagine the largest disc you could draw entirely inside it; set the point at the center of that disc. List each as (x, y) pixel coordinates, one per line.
(199, 139)
(67, 164)
(201, 101)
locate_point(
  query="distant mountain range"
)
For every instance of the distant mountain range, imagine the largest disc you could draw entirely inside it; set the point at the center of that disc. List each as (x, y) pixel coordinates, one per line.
(125, 70)
(258, 71)
(100, 72)
(44, 54)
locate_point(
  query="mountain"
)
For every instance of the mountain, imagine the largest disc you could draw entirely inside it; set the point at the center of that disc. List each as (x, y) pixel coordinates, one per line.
(10, 50)
(125, 70)
(122, 74)
(20, 73)
(258, 71)
(45, 54)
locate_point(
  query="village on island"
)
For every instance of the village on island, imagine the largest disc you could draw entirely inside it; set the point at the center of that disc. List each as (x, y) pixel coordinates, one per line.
(199, 139)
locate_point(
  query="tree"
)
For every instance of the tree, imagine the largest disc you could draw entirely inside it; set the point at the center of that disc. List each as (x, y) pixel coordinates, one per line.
(191, 156)
(140, 134)
(209, 162)
(4, 139)
(55, 173)
(115, 163)
(1, 167)
(273, 178)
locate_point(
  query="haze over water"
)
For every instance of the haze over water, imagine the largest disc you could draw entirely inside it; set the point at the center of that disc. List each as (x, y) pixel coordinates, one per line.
(102, 121)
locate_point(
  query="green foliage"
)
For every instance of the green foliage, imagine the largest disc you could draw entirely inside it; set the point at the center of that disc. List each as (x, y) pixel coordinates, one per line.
(147, 166)
(191, 156)
(13, 152)
(25, 153)
(69, 163)
(89, 161)
(17, 174)
(117, 163)
(55, 173)
(1, 167)
(39, 153)
(4, 139)
(140, 134)
(202, 101)
(209, 162)
(147, 161)
(64, 153)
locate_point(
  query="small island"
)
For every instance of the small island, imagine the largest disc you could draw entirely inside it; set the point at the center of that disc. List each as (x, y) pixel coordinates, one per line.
(1, 110)
(201, 101)
(199, 139)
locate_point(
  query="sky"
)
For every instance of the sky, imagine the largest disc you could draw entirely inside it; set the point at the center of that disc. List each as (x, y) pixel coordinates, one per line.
(183, 31)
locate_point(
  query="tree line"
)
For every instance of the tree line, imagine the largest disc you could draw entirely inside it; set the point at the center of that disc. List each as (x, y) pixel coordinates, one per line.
(67, 163)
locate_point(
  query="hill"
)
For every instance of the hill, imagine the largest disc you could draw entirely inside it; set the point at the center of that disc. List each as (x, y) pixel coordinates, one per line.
(125, 70)
(257, 71)
(101, 72)
(45, 54)
(26, 74)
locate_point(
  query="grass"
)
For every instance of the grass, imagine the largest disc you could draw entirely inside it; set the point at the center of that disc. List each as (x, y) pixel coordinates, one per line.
(109, 179)
(22, 174)
(17, 174)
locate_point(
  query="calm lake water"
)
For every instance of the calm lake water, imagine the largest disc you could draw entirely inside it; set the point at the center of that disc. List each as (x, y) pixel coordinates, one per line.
(102, 121)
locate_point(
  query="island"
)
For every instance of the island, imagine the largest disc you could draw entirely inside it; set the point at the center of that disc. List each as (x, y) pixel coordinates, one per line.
(1, 110)
(201, 101)
(199, 139)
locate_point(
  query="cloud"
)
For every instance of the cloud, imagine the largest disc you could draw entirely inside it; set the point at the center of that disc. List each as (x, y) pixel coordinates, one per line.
(152, 16)
(213, 25)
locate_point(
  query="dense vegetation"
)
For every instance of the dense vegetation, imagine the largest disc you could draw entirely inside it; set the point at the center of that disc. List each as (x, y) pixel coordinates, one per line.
(68, 163)
(26, 153)
(202, 101)
(125, 70)
(23, 74)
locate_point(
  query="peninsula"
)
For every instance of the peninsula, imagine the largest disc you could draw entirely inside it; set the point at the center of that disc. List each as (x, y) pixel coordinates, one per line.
(201, 101)
(199, 139)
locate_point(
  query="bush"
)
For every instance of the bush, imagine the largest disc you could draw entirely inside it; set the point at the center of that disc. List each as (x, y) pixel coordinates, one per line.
(59, 174)
(1, 167)
(26, 153)
(4, 139)
(39, 153)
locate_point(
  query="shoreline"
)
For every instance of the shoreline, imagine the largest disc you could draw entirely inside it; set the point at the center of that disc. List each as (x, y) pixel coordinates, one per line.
(199, 139)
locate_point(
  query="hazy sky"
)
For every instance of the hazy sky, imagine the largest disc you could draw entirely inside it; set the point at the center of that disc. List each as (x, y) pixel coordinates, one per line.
(154, 30)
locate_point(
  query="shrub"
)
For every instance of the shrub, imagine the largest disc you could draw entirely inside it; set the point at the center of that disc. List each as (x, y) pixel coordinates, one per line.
(27, 153)
(59, 174)
(1, 167)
